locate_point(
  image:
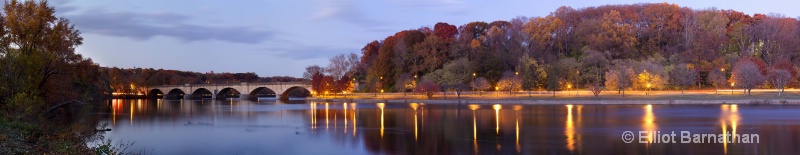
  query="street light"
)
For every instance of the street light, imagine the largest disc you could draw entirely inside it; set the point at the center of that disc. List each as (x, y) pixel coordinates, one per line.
(732, 88)
(496, 88)
(648, 89)
(569, 86)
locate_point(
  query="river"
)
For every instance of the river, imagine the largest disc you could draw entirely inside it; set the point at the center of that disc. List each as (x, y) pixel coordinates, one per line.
(275, 127)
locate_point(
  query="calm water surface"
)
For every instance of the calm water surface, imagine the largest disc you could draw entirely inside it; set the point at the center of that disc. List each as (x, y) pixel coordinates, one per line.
(275, 127)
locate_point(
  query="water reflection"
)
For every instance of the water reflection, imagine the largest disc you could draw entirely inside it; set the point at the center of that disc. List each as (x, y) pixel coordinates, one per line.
(381, 106)
(241, 126)
(497, 108)
(474, 107)
(729, 114)
(649, 123)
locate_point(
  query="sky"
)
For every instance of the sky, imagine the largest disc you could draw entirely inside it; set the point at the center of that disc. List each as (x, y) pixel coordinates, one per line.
(282, 37)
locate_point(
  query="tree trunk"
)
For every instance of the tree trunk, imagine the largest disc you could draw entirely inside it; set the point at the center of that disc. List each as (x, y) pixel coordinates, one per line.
(529, 93)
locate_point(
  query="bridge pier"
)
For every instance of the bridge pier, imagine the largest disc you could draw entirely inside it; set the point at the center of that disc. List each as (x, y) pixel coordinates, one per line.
(243, 96)
(187, 96)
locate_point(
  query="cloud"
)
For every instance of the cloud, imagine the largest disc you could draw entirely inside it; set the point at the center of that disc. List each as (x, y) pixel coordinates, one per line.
(143, 26)
(302, 52)
(347, 11)
(444, 5)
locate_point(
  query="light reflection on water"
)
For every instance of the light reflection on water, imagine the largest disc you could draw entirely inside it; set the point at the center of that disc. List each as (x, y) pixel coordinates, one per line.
(248, 127)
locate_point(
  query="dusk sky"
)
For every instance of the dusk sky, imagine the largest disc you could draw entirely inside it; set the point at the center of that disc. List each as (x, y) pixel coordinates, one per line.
(282, 37)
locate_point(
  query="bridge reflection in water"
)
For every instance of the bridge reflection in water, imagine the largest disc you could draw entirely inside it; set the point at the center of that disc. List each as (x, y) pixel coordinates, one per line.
(173, 126)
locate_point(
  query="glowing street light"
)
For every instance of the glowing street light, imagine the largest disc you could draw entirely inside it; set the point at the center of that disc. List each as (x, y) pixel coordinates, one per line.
(496, 88)
(732, 88)
(648, 89)
(569, 86)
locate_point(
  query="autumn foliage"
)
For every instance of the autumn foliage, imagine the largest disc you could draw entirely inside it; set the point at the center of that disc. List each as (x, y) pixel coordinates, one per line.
(579, 46)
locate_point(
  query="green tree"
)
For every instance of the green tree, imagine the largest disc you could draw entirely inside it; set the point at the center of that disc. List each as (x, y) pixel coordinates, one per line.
(594, 65)
(554, 79)
(39, 59)
(531, 73)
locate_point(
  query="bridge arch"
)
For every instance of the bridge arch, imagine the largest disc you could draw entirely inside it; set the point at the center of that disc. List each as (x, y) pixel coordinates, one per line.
(261, 92)
(202, 93)
(228, 92)
(155, 94)
(175, 94)
(296, 92)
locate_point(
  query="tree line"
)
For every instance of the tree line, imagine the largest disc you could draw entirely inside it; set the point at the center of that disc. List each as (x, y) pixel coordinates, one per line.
(611, 47)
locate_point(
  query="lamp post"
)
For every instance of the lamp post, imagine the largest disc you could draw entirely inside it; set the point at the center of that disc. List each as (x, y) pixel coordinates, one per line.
(473, 80)
(576, 87)
(647, 92)
(732, 88)
(496, 88)
(569, 86)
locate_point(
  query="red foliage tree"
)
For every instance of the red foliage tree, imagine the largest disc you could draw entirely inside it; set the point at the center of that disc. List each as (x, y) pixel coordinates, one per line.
(445, 31)
(428, 88)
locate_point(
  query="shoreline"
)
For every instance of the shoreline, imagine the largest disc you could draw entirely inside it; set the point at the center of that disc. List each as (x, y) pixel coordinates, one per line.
(570, 101)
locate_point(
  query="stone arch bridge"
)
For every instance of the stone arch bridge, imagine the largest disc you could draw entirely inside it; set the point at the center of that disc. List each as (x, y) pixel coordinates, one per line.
(244, 90)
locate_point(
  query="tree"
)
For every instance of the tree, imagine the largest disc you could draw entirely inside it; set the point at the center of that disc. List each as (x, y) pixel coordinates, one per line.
(38, 63)
(406, 83)
(594, 64)
(458, 88)
(316, 81)
(553, 79)
(311, 70)
(650, 75)
(340, 65)
(458, 71)
(428, 88)
(779, 78)
(620, 78)
(683, 76)
(510, 82)
(531, 73)
(717, 78)
(445, 31)
(343, 85)
(480, 84)
(747, 74)
(570, 72)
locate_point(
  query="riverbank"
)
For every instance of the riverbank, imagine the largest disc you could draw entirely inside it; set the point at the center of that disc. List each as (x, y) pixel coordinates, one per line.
(761, 96)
